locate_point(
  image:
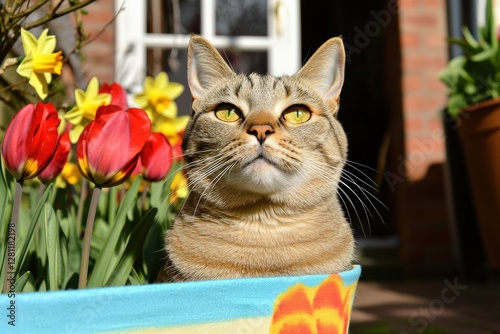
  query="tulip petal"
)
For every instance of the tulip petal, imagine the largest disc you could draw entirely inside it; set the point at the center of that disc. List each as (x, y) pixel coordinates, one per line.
(156, 157)
(56, 165)
(30, 140)
(109, 146)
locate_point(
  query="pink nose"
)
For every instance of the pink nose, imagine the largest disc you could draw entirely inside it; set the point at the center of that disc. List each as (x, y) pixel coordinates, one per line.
(261, 131)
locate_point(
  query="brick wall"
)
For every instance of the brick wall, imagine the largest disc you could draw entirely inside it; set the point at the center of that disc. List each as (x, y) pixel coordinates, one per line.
(425, 230)
(99, 52)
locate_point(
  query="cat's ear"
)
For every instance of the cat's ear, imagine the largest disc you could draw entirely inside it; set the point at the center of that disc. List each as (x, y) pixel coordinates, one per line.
(205, 66)
(324, 71)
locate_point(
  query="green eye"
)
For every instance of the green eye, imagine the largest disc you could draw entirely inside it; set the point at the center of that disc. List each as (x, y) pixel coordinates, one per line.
(297, 114)
(227, 113)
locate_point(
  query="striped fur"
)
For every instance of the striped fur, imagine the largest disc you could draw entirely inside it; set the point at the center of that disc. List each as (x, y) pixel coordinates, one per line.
(277, 215)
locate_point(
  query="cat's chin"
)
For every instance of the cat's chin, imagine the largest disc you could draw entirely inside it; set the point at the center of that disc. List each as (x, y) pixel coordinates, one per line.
(263, 176)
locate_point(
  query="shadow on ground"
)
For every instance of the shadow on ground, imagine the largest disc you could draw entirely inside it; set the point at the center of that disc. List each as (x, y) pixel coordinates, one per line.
(434, 306)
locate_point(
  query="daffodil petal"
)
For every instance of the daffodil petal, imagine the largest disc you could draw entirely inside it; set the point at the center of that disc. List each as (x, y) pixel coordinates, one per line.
(149, 83)
(161, 80)
(180, 123)
(173, 90)
(141, 100)
(168, 110)
(25, 69)
(79, 97)
(75, 133)
(92, 88)
(29, 42)
(74, 116)
(38, 82)
(48, 77)
(48, 46)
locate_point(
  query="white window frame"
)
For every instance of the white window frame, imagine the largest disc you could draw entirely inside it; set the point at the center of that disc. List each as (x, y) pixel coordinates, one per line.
(132, 40)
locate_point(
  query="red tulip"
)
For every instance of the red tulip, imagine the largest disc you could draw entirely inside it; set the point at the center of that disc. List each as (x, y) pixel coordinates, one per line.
(156, 157)
(60, 158)
(118, 94)
(30, 140)
(109, 146)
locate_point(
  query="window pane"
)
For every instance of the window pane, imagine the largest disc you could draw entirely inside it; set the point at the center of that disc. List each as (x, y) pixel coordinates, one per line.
(174, 16)
(174, 62)
(241, 17)
(246, 61)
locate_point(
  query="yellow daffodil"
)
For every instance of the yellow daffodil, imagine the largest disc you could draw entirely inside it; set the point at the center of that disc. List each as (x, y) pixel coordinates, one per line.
(179, 188)
(40, 61)
(69, 175)
(159, 95)
(87, 103)
(171, 127)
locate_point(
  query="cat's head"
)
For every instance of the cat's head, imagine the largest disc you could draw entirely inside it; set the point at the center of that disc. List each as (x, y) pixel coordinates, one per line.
(264, 135)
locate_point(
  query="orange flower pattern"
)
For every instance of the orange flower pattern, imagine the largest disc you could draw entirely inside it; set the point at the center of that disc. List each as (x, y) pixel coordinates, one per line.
(322, 309)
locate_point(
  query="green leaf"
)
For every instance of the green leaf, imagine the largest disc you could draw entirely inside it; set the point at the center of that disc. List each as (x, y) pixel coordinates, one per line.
(25, 283)
(52, 243)
(106, 261)
(490, 26)
(133, 250)
(483, 55)
(469, 38)
(5, 212)
(25, 241)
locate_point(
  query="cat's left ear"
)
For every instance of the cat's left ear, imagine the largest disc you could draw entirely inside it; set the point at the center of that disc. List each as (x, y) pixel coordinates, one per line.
(324, 71)
(206, 67)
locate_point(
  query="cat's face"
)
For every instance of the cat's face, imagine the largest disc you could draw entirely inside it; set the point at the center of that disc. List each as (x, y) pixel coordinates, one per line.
(261, 134)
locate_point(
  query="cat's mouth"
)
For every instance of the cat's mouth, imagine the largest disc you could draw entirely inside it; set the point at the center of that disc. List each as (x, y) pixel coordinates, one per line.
(260, 159)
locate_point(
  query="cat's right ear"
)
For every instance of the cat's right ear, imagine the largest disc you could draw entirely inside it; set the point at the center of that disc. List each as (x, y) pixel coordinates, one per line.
(205, 66)
(324, 71)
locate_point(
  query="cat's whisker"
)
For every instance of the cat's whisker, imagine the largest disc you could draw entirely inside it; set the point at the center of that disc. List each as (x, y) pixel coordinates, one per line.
(354, 207)
(210, 185)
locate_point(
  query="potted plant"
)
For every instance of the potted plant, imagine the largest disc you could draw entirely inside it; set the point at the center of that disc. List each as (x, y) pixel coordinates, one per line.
(473, 80)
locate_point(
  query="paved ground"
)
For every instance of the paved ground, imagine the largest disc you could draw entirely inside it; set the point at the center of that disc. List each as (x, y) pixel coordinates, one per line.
(437, 307)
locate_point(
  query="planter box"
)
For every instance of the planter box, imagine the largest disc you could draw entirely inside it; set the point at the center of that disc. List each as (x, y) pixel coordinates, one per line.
(314, 303)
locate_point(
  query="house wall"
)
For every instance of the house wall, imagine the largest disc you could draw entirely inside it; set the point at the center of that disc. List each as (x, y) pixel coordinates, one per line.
(426, 233)
(99, 50)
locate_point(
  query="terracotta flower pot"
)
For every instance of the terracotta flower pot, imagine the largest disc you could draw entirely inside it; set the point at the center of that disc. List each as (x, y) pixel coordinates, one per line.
(479, 132)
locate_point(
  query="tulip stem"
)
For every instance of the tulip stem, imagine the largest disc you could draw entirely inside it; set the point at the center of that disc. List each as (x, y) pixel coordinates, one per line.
(81, 205)
(10, 251)
(84, 265)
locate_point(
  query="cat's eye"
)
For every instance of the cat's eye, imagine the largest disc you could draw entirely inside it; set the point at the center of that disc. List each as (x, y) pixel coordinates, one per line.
(297, 114)
(227, 113)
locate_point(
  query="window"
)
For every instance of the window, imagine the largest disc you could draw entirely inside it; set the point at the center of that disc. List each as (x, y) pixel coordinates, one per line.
(254, 35)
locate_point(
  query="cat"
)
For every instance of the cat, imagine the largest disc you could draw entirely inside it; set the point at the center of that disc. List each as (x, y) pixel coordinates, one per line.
(264, 157)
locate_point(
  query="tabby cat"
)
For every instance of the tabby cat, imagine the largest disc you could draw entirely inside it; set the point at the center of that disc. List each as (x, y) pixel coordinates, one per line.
(264, 157)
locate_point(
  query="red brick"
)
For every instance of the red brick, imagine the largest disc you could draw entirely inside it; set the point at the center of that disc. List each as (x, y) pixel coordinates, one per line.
(412, 83)
(419, 103)
(414, 125)
(420, 19)
(421, 61)
(410, 40)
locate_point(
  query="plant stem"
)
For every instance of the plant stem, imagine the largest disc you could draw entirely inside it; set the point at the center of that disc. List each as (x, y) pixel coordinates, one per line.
(84, 266)
(10, 257)
(81, 205)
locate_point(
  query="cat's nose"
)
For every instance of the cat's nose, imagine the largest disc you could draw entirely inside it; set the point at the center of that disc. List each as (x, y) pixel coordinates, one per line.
(261, 131)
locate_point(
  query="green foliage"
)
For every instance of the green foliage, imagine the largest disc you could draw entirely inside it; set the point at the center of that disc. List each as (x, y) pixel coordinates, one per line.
(475, 76)
(127, 244)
